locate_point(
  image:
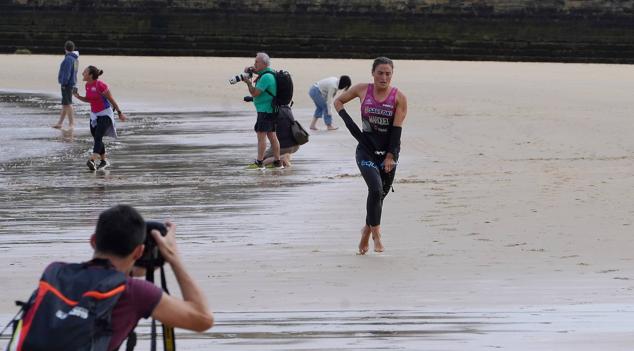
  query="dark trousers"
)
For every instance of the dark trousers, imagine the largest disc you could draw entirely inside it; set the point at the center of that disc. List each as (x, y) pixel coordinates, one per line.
(378, 181)
(103, 124)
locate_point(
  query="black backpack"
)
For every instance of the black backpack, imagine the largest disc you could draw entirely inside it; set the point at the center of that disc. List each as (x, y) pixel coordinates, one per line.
(284, 83)
(71, 309)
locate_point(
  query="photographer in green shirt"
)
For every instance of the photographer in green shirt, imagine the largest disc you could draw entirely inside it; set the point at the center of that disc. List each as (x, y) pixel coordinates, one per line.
(263, 92)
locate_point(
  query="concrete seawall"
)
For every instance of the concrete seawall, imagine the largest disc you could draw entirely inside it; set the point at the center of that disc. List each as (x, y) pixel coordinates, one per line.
(518, 30)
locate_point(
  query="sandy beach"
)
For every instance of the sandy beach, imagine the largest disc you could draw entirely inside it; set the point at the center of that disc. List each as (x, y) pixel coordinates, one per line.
(510, 225)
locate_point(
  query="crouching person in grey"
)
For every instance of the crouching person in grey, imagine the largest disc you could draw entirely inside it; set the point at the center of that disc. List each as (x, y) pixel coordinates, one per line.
(288, 145)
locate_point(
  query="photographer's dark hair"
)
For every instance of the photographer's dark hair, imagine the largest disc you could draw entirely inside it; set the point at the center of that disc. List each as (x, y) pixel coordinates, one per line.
(120, 229)
(94, 72)
(69, 46)
(344, 82)
(382, 61)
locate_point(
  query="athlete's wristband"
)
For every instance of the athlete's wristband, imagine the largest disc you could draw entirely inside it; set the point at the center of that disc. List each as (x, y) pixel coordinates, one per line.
(395, 141)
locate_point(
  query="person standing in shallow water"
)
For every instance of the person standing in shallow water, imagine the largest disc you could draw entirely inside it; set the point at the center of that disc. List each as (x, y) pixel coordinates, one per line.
(67, 78)
(383, 112)
(101, 115)
(263, 91)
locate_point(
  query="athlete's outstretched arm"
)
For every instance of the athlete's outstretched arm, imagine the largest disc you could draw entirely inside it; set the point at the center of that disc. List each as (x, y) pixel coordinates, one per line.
(352, 127)
(79, 97)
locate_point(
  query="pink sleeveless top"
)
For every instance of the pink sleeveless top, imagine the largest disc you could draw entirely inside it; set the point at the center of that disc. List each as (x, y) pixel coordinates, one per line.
(378, 117)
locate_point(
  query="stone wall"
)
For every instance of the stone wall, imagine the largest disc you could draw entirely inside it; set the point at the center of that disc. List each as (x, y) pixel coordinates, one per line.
(532, 30)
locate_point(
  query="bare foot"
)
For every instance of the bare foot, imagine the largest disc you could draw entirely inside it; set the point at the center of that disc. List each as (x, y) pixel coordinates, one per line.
(71, 126)
(314, 128)
(57, 126)
(364, 244)
(378, 246)
(333, 127)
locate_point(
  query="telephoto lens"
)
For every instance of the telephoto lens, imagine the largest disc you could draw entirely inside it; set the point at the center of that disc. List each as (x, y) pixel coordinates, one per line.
(240, 77)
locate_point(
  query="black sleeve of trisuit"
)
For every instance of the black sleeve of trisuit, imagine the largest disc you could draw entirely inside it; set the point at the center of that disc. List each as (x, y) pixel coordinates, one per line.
(395, 141)
(352, 127)
(354, 130)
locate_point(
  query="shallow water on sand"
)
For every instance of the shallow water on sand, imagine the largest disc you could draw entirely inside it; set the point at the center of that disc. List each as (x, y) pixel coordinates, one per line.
(187, 166)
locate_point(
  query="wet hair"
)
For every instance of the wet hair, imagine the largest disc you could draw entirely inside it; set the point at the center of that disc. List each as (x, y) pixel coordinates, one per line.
(382, 61)
(344, 82)
(94, 72)
(264, 57)
(69, 46)
(120, 229)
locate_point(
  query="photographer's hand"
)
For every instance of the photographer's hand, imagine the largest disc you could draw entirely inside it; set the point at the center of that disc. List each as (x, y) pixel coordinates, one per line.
(167, 243)
(192, 312)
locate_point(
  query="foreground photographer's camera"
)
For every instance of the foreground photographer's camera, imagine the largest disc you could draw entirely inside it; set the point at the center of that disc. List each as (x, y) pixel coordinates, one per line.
(242, 76)
(151, 257)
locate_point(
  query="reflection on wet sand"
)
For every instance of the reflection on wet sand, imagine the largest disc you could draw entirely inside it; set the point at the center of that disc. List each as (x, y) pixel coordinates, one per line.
(395, 330)
(67, 135)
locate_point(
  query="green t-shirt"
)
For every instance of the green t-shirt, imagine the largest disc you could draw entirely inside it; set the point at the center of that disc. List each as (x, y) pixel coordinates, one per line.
(266, 83)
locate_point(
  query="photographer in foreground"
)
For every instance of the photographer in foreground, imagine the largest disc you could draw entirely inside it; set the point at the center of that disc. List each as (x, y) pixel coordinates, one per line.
(102, 292)
(263, 92)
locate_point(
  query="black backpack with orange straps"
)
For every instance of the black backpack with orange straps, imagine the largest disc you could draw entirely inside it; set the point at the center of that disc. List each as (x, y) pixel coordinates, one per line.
(71, 309)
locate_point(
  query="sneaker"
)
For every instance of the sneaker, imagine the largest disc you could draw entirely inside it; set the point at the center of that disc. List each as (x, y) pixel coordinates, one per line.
(257, 164)
(278, 164)
(103, 164)
(91, 165)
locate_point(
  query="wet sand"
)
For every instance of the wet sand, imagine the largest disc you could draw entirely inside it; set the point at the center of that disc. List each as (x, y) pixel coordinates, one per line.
(510, 226)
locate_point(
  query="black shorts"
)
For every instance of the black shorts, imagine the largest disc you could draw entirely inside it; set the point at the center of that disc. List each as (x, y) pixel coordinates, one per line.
(265, 122)
(67, 95)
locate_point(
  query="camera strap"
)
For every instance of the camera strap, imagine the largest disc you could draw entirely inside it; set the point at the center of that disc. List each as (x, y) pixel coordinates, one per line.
(169, 339)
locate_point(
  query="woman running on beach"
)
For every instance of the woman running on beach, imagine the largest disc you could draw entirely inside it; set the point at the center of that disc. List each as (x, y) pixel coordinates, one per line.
(101, 115)
(383, 111)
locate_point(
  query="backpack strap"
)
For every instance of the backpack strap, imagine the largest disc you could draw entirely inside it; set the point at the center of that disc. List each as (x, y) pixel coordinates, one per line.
(262, 75)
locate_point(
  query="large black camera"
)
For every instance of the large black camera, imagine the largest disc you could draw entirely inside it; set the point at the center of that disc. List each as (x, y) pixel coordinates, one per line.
(152, 257)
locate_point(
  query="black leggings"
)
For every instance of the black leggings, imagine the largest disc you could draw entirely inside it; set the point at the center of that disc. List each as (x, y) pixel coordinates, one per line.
(103, 124)
(379, 183)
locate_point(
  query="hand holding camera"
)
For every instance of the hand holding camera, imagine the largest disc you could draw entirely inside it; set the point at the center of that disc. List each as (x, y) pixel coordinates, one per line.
(160, 245)
(247, 74)
(167, 242)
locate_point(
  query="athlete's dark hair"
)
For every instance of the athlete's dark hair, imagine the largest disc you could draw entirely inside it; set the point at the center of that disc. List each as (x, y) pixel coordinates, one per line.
(344, 82)
(94, 72)
(120, 229)
(382, 61)
(69, 46)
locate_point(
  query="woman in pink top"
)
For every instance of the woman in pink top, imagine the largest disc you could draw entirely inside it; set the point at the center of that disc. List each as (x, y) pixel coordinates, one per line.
(101, 114)
(383, 111)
